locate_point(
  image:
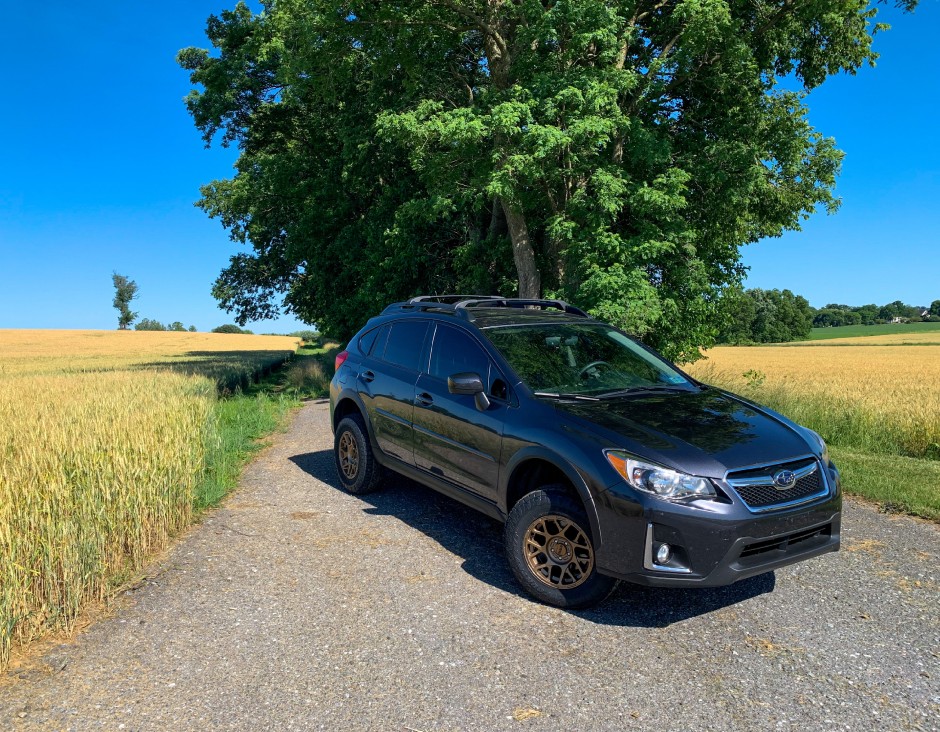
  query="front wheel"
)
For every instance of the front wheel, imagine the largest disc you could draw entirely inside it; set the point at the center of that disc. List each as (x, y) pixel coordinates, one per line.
(551, 552)
(356, 466)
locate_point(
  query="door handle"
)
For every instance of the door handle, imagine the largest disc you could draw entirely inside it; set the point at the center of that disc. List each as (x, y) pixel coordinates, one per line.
(367, 376)
(424, 399)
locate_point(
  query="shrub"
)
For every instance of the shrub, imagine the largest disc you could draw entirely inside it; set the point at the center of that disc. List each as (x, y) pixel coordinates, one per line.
(231, 328)
(148, 324)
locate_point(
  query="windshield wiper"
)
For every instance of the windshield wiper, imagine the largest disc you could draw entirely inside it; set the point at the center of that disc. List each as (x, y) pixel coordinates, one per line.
(642, 390)
(563, 395)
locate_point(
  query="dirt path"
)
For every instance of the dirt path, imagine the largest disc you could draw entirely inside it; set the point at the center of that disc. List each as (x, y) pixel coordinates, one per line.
(297, 606)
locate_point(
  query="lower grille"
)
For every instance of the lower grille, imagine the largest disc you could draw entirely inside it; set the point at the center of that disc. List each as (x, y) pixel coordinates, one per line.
(757, 489)
(783, 543)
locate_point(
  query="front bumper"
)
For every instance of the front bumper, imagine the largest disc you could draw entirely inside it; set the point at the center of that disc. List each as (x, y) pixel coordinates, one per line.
(715, 544)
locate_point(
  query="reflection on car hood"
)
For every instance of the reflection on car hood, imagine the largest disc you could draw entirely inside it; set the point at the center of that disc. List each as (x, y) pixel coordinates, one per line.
(703, 432)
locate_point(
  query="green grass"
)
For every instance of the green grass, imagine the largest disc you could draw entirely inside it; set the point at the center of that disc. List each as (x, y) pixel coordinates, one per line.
(859, 331)
(308, 374)
(899, 484)
(242, 421)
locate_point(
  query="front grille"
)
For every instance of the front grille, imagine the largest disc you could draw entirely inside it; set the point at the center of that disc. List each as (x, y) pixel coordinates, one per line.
(757, 489)
(783, 543)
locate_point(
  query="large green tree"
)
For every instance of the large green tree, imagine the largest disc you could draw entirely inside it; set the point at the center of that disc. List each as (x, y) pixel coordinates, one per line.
(616, 154)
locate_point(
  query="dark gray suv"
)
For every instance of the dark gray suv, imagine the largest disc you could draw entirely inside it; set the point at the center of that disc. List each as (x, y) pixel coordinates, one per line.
(604, 460)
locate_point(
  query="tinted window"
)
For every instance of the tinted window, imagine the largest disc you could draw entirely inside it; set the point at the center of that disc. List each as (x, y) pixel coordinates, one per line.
(405, 343)
(379, 349)
(455, 352)
(367, 340)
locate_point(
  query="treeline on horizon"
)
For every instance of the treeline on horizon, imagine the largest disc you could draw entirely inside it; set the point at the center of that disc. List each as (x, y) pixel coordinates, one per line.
(778, 316)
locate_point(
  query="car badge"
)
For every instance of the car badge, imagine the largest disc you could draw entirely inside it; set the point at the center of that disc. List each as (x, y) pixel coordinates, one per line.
(784, 480)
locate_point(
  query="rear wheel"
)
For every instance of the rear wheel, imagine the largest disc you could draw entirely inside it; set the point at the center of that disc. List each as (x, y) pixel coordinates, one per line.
(551, 551)
(358, 471)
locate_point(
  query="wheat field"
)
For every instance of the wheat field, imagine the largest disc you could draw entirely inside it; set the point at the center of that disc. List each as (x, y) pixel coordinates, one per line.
(877, 403)
(104, 438)
(883, 398)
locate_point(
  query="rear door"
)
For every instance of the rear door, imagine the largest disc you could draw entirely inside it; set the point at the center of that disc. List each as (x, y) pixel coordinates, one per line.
(387, 384)
(452, 438)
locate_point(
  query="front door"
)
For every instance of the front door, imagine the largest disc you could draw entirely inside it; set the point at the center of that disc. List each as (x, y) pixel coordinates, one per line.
(452, 438)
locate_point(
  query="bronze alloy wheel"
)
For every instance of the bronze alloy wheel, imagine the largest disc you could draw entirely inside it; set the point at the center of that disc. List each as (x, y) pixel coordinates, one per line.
(558, 552)
(348, 455)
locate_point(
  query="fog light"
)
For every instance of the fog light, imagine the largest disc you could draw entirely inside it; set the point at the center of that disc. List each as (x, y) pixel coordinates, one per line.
(663, 554)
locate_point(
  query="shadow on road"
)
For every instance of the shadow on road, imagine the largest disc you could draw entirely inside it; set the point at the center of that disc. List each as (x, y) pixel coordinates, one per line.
(478, 540)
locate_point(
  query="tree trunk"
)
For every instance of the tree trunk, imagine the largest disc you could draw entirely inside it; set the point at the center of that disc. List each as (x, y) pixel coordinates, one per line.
(530, 282)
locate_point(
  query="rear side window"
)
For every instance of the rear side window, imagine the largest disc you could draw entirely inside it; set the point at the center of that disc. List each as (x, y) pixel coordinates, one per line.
(406, 343)
(455, 352)
(367, 340)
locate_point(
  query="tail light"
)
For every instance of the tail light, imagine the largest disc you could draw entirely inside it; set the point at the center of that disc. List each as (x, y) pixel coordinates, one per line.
(340, 359)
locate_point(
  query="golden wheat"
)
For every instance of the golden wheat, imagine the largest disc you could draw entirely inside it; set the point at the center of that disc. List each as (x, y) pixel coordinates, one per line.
(884, 398)
(103, 437)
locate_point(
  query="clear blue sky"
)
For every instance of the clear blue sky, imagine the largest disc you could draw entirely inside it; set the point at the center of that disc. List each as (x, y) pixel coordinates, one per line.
(100, 164)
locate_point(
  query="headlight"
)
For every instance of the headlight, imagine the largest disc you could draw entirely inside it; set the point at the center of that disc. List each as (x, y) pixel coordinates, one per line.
(659, 481)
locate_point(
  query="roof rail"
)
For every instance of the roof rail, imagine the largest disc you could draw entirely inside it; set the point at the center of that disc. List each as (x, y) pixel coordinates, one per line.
(520, 302)
(451, 299)
(461, 305)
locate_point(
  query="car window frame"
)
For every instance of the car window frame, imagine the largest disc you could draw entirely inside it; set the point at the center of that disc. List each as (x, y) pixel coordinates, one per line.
(494, 371)
(423, 357)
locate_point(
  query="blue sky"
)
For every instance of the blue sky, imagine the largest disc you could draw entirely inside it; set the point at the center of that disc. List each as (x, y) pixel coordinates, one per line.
(100, 165)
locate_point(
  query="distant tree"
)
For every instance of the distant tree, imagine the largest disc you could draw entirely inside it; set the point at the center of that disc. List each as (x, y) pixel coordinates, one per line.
(766, 316)
(125, 290)
(896, 309)
(935, 308)
(231, 328)
(307, 336)
(868, 313)
(177, 326)
(737, 317)
(192, 329)
(148, 324)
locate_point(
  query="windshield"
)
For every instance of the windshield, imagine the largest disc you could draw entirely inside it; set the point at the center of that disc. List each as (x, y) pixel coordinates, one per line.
(574, 358)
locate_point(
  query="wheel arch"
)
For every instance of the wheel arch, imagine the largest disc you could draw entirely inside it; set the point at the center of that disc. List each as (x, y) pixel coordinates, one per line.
(533, 467)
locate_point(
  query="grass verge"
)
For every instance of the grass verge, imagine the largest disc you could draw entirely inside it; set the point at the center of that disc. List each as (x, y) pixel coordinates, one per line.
(900, 484)
(240, 424)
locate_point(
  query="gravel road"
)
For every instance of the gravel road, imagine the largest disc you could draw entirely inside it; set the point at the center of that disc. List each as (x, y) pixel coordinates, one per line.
(296, 606)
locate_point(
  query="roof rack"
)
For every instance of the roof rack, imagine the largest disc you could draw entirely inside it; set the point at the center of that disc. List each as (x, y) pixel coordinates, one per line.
(520, 302)
(461, 305)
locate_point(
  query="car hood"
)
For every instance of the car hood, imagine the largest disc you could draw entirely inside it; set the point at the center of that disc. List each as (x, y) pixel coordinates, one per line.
(704, 432)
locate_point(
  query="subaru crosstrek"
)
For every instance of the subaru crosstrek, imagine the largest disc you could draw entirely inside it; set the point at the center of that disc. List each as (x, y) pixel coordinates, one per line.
(604, 461)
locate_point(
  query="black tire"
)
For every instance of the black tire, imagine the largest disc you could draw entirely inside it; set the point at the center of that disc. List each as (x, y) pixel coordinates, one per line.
(551, 551)
(359, 472)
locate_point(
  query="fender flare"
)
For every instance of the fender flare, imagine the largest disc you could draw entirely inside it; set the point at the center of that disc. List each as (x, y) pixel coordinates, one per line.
(352, 395)
(576, 479)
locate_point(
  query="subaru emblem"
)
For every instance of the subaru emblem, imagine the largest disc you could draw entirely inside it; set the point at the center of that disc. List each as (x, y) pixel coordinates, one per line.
(784, 479)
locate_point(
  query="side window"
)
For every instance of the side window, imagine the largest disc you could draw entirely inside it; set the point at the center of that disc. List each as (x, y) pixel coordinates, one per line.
(456, 352)
(406, 343)
(367, 340)
(378, 350)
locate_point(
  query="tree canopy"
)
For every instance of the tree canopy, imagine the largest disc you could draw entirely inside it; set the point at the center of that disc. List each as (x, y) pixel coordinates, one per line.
(614, 153)
(765, 316)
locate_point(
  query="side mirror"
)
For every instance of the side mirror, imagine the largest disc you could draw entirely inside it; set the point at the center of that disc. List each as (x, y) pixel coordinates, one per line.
(471, 384)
